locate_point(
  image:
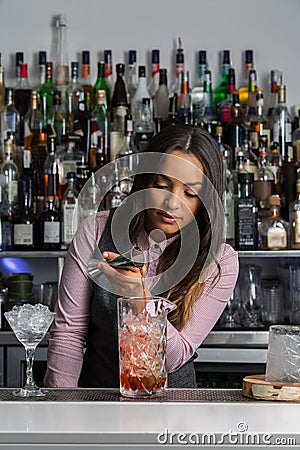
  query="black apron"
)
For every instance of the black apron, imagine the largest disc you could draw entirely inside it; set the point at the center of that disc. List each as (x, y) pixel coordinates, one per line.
(101, 359)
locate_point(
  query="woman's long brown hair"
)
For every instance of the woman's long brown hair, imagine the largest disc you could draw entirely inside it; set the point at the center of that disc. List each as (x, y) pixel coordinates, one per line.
(197, 141)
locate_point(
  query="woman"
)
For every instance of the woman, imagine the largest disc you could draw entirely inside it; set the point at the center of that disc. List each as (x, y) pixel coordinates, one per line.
(174, 215)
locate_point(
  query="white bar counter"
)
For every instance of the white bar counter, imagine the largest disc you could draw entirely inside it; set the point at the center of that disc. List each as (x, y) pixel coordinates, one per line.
(206, 419)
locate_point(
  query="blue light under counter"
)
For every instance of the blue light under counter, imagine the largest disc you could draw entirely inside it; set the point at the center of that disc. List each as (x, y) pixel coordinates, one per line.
(42, 269)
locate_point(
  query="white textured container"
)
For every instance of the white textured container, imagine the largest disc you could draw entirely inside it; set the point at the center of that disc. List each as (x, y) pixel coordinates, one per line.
(283, 361)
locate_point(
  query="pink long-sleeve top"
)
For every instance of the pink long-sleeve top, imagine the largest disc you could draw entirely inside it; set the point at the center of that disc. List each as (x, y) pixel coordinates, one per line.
(70, 328)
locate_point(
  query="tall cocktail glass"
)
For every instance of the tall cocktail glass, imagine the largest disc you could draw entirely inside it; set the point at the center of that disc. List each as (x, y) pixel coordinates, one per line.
(30, 324)
(142, 324)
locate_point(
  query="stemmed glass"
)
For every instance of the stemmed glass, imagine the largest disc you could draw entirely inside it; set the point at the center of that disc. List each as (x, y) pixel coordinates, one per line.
(230, 317)
(30, 324)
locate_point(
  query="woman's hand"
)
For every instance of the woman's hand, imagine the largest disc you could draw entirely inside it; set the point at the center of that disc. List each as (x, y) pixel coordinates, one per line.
(126, 282)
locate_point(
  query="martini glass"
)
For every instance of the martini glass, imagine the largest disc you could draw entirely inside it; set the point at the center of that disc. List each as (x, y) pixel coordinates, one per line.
(30, 324)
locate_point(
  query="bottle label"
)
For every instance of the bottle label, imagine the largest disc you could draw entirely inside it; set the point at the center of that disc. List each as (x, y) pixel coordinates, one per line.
(297, 227)
(70, 222)
(246, 227)
(229, 216)
(51, 232)
(63, 168)
(254, 139)
(12, 191)
(62, 75)
(263, 189)
(23, 234)
(276, 238)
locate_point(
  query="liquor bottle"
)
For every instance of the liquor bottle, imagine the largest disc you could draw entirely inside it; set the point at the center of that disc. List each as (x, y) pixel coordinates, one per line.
(288, 180)
(282, 127)
(26, 179)
(161, 99)
(276, 163)
(51, 171)
(22, 99)
(67, 160)
(144, 129)
(82, 125)
(59, 121)
(42, 68)
(70, 211)
(90, 199)
(119, 102)
(264, 184)
(140, 93)
(250, 160)
(9, 173)
(229, 204)
(250, 108)
(9, 117)
(245, 214)
(198, 90)
(61, 60)
(46, 95)
(83, 173)
(243, 91)
(6, 223)
(35, 136)
(296, 145)
(273, 231)
(176, 86)
(99, 126)
(115, 196)
(101, 84)
(2, 85)
(50, 225)
(73, 94)
(101, 157)
(25, 226)
(86, 78)
(208, 114)
(226, 105)
(259, 125)
(19, 60)
(294, 217)
(108, 68)
(225, 149)
(155, 73)
(234, 128)
(184, 99)
(275, 81)
(131, 75)
(220, 93)
(128, 156)
(172, 118)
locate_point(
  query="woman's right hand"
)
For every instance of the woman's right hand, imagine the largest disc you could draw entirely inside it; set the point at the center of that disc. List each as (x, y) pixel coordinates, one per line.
(126, 282)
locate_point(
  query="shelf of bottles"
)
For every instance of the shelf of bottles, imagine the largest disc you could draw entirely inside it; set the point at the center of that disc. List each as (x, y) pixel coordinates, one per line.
(55, 137)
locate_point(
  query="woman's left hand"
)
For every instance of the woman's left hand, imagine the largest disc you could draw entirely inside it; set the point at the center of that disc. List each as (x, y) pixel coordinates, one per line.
(126, 282)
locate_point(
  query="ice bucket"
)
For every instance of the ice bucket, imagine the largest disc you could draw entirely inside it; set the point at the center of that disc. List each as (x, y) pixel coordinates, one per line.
(283, 361)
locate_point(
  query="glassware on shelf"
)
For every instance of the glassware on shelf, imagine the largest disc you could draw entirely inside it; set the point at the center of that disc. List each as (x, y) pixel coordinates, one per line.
(142, 344)
(294, 277)
(272, 302)
(230, 317)
(250, 311)
(30, 324)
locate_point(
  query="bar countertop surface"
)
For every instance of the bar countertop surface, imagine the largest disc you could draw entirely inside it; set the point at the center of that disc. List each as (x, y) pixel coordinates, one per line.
(101, 418)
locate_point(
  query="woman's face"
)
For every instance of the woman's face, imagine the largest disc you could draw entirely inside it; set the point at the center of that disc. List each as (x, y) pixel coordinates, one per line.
(174, 201)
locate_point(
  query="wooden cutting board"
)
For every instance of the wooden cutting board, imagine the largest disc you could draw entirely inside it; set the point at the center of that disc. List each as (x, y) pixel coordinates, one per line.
(255, 386)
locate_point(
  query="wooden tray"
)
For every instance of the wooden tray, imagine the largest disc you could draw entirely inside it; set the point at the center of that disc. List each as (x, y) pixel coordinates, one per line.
(255, 386)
